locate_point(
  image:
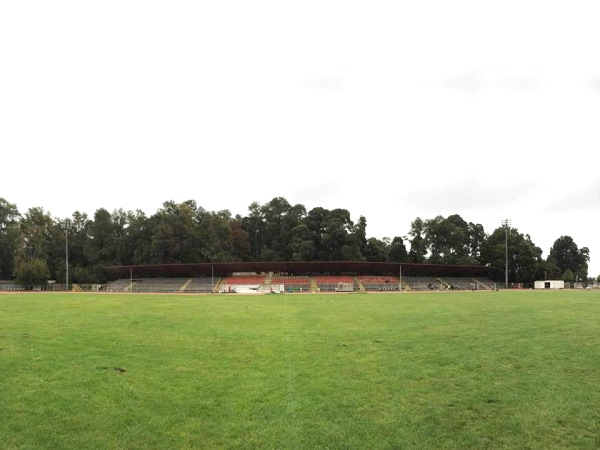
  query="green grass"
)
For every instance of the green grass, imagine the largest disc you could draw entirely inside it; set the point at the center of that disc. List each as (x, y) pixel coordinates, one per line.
(432, 370)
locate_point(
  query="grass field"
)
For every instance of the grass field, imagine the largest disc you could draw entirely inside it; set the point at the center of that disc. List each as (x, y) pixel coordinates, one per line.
(431, 370)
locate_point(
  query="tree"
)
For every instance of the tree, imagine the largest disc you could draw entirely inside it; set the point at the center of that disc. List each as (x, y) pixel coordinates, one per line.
(33, 271)
(418, 243)
(274, 233)
(375, 250)
(568, 276)
(254, 225)
(566, 256)
(548, 270)
(102, 248)
(397, 252)
(437, 237)
(527, 259)
(302, 247)
(315, 222)
(240, 240)
(135, 244)
(215, 237)
(290, 222)
(477, 237)
(9, 238)
(277, 231)
(35, 234)
(56, 260)
(360, 233)
(174, 233)
(275, 222)
(450, 240)
(338, 242)
(524, 257)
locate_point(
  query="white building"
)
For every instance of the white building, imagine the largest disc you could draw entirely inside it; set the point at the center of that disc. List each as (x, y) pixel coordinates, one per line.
(550, 284)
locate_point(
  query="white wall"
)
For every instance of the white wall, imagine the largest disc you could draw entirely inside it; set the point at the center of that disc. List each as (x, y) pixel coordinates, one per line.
(549, 284)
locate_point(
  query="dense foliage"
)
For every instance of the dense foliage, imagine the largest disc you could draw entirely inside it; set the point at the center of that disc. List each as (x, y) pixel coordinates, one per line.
(34, 245)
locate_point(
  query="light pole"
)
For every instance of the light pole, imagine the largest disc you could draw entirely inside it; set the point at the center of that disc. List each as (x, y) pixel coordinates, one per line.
(400, 285)
(256, 244)
(67, 255)
(506, 225)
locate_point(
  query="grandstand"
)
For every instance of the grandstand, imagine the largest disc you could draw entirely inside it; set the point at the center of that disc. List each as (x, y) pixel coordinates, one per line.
(295, 276)
(335, 283)
(242, 283)
(464, 283)
(119, 285)
(379, 283)
(201, 284)
(418, 283)
(485, 283)
(292, 283)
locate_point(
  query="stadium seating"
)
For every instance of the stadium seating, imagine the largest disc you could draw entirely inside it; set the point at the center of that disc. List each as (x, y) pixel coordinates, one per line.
(245, 279)
(159, 284)
(334, 282)
(324, 283)
(119, 285)
(379, 283)
(292, 283)
(459, 283)
(243, 283)
(201, 284)
(423, 283)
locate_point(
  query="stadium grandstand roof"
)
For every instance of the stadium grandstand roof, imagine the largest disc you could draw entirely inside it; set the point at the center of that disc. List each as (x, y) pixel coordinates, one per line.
(294, 268)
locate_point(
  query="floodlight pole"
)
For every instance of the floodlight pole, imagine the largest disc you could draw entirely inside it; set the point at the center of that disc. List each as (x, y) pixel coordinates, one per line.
(256, 243)
(400, 285)
(67, 255)
(506, 225)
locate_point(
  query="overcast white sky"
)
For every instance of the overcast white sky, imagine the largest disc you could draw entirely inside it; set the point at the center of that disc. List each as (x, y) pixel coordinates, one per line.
(392, 110)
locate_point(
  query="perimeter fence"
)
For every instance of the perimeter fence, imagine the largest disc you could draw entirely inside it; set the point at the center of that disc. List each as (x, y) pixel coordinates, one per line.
(7, 287)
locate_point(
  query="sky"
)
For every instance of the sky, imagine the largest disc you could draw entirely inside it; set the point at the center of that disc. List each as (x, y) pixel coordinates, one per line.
(392, 110)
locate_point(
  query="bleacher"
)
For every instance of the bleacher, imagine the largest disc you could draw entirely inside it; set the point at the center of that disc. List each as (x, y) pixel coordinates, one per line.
(324, 283)
(416, 283)
(242, 283)
(292, 283)
(379, 283)
(333, 283)
(11, 287)
(120, 285)
(159, 284)
(201, 284)
(485, 283)
(461, 283)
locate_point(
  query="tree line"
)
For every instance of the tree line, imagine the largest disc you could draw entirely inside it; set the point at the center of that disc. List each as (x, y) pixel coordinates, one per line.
(34, 245)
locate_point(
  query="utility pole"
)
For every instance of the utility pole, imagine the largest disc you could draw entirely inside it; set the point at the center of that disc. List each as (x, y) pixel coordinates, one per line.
(67, 255)
(256, 244)
(506, 225)
(400, 285)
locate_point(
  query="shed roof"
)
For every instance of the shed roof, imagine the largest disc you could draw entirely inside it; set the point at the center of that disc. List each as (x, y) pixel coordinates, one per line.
(294, 268)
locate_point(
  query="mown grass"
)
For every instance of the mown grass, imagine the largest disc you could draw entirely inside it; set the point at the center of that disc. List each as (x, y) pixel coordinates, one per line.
(435, 370)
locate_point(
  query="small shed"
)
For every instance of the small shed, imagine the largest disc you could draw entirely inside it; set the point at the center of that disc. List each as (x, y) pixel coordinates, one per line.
(550, 284)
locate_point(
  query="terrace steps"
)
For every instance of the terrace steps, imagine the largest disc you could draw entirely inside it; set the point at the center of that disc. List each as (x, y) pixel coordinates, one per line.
(361, 288)
(185, 285)
(444, 283)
